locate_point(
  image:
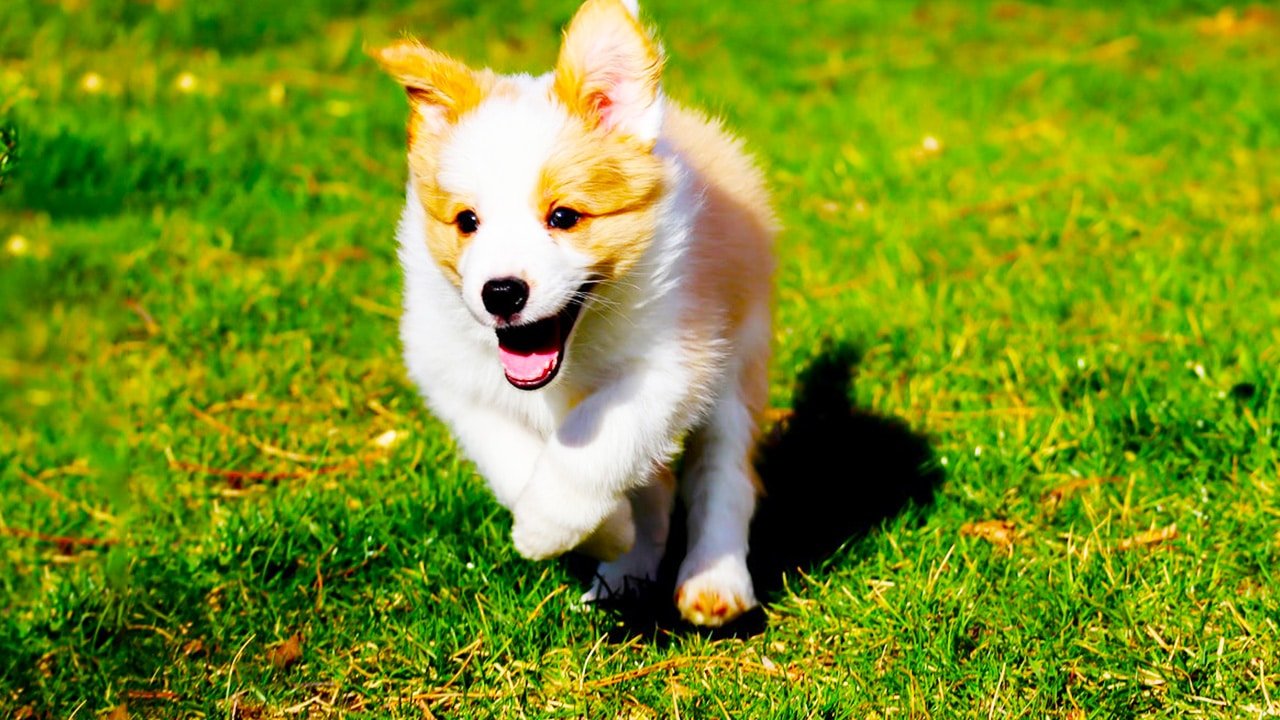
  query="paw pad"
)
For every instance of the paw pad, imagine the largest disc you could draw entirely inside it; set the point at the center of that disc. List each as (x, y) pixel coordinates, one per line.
(708, 607)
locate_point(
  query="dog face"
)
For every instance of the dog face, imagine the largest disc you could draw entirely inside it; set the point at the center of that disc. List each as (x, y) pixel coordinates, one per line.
(536, 190)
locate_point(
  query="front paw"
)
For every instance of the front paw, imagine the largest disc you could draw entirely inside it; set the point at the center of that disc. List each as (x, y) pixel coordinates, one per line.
(545, 528)
(540, 537)
(715, 592)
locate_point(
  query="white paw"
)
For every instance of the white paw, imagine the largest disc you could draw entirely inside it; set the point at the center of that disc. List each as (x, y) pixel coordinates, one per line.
(628, 575)
(547, 529)
(539, 539)
(618, 588)
(714, 592)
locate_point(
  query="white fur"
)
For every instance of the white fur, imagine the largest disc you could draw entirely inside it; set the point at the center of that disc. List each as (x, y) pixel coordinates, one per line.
(719, 494)
(580, 471)
(651, 506)
(627, 341)
(496, 164)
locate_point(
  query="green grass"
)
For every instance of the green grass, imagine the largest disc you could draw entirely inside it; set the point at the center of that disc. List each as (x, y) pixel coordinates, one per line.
(8, 151)
(1068, 309)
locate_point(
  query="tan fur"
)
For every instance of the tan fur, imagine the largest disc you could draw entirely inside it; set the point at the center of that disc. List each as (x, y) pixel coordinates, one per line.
(605, 27)
(733, 251)
(733, 270)
(615, 184)
(609, 176)
(434, 80)
(441, 90)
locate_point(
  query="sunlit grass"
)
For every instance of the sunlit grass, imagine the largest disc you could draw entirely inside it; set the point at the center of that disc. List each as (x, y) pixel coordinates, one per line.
(1044, 235)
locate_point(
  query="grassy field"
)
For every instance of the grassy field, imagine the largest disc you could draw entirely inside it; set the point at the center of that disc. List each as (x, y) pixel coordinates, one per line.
(1027, 451)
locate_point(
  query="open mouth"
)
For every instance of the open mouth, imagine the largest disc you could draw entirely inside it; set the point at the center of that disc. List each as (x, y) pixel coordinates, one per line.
(531, 354)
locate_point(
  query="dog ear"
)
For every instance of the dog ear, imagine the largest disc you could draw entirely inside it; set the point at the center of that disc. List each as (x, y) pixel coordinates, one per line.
(440, 88)
(609, 70)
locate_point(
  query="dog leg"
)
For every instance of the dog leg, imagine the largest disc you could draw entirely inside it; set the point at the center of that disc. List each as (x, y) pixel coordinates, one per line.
(651, 508)
(503, 450)
(601, 452)
(719, 489)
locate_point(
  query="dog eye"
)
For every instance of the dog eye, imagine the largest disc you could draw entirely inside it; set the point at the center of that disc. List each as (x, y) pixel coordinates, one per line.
(563, 218)
(467, 222)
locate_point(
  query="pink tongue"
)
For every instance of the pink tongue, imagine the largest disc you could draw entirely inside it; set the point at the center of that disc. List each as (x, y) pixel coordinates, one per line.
(530, 367)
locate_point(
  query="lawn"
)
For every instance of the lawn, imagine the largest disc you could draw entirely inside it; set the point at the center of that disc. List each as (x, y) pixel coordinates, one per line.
(1025, 459)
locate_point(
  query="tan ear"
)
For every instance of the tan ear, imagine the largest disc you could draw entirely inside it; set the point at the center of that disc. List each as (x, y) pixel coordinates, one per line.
(610, 69)
(440, 88)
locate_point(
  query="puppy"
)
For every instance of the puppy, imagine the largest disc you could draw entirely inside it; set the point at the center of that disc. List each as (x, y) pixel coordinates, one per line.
(588, 273)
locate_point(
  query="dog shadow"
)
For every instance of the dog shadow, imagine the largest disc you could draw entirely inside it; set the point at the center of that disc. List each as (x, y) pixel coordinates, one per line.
(832, 473)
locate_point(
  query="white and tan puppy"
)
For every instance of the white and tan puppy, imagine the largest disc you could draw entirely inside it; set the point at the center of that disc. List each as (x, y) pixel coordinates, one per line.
(588, 274)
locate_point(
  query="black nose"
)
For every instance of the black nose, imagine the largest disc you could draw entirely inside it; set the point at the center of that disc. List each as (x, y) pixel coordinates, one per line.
(504, 297)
